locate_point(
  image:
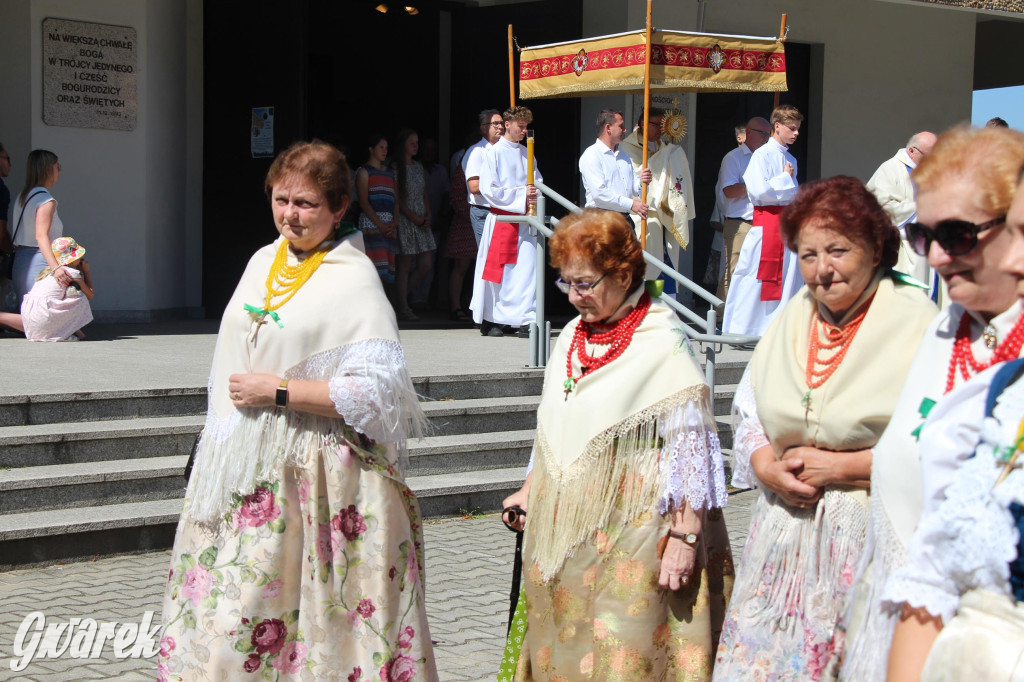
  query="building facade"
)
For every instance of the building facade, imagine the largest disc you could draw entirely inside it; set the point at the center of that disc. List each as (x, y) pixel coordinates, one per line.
(171, 208)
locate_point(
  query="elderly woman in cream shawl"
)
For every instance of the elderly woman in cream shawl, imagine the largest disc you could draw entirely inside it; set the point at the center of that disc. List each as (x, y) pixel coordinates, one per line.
(625, 552)
(968, 179)
(817, 394)
(298, 553)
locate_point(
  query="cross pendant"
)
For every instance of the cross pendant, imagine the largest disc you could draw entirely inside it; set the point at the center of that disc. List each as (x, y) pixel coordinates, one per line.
(258, 321)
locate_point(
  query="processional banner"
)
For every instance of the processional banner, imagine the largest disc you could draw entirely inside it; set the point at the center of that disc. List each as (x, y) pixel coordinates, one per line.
(680, 61)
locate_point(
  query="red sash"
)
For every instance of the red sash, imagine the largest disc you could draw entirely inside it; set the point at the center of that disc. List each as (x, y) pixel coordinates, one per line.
(772, 251)
(503, 249)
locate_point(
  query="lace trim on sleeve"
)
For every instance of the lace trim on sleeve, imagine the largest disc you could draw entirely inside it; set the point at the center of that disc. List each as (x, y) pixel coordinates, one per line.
(964, 544)
(369, 386)
(748, 434)
(691, 467)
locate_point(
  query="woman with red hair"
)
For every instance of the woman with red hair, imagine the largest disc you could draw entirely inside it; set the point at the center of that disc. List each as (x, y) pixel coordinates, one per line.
(626, 552)
(819, 390)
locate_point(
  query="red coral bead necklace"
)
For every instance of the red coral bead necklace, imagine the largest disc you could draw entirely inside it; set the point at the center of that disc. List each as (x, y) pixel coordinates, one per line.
(962, 357)
(618, 338)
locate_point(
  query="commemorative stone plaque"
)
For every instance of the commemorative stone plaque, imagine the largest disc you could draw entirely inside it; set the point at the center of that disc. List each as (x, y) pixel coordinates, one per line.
(89, 75)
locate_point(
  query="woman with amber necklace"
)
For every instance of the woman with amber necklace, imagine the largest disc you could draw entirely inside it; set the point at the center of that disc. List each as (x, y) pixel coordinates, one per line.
(964, 189)
(298, 554)
(817, 394)
(625, 552)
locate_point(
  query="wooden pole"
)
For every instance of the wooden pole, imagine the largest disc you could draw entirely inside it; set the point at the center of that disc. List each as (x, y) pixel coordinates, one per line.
(512, 71)
(782, 39)
(647, 118)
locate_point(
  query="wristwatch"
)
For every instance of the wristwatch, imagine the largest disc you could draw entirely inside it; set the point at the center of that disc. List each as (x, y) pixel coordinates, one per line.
(281, 397)
(689, 538)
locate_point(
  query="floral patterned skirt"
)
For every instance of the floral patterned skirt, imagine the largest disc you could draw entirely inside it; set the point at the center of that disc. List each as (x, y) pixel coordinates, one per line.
(314, 575)
(604, 616)
(795, 572)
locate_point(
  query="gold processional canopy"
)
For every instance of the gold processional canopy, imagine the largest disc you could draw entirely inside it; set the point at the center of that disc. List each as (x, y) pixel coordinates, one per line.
(681, 61)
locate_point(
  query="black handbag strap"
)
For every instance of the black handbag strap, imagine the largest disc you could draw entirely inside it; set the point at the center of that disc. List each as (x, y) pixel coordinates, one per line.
(23, 206)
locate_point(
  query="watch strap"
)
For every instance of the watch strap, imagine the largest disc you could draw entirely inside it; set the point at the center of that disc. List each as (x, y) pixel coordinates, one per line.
(688, 538)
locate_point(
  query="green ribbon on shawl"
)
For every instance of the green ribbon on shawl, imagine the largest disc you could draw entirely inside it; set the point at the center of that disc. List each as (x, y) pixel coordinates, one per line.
(261, 313)
(926, 406)
(345, 229)
(907, 279)
(514, 643)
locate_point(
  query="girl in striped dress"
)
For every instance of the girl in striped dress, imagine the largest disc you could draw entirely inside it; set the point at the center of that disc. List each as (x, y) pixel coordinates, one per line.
(378, 220)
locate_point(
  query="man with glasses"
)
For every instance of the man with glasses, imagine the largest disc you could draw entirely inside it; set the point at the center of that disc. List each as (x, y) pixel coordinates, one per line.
(894, 190)
(736, 206)
(491, 128)
(505, 282)
(766, 274)
(608, 177)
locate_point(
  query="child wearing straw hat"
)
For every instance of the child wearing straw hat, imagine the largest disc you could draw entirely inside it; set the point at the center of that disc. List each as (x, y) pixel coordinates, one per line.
(51, 311)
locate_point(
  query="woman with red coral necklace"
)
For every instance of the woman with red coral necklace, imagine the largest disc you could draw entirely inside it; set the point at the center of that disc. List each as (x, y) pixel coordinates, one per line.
(625, 529)
(809, 410)
(964, 190)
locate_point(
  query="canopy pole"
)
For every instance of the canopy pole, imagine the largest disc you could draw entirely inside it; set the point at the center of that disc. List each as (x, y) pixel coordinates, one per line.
(512, 70)
(647, 118)
(782, 39)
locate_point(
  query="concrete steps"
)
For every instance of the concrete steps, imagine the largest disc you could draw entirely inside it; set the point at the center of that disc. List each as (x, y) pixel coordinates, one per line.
(100, 473)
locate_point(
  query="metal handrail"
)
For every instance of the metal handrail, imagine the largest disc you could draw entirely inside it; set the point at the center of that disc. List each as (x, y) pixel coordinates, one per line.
(705, 332)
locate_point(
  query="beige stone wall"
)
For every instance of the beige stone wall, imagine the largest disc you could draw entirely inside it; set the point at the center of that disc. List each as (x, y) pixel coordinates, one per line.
(133, 198)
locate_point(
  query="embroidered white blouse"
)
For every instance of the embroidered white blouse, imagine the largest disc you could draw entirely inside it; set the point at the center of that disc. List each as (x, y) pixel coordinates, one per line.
(967, 536)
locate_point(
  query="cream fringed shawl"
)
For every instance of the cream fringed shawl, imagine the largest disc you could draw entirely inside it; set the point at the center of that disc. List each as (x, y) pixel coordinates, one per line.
(340, 307)
(600, 447)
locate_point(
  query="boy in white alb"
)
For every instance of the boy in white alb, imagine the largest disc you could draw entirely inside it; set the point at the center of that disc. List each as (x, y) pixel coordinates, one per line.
(505, 286)
(766, 274)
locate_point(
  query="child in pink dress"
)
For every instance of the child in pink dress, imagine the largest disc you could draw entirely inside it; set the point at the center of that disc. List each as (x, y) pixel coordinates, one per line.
(51, 312)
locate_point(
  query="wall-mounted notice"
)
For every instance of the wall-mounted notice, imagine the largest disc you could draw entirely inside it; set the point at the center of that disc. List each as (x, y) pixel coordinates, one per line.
(90, 75)
(262, 140)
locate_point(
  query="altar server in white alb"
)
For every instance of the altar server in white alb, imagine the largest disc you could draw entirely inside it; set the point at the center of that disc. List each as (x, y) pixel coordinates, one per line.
(766, 275)
(607, 171)
(505, 286)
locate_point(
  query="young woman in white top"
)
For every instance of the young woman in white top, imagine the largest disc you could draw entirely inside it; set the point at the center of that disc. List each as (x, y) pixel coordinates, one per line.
(36, 223)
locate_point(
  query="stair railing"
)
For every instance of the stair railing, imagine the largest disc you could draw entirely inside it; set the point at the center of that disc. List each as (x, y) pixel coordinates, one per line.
(703, 330)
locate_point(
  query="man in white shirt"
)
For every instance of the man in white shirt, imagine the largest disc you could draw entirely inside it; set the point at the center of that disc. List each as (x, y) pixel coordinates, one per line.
(505, 285)
(766, 274)
(607, 171)
(892, 187)
(737, 211)
(491, 128)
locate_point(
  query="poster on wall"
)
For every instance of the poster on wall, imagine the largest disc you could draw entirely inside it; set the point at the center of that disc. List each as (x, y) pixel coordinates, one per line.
(262, 132)
(90, 75)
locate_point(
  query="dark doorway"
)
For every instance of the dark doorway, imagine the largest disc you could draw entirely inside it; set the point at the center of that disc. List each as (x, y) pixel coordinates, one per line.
(342, 70)
(718, 115)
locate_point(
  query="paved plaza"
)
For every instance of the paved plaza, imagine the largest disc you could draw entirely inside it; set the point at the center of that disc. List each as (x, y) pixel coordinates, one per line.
(469, 563)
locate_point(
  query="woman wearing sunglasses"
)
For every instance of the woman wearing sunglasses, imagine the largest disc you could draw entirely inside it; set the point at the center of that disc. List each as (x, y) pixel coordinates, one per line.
(960, 593)
(964, 189)
(626, 553)
(808, 413)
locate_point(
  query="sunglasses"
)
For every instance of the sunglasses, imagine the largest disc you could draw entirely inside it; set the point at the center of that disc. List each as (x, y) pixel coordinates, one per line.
(956, 237)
